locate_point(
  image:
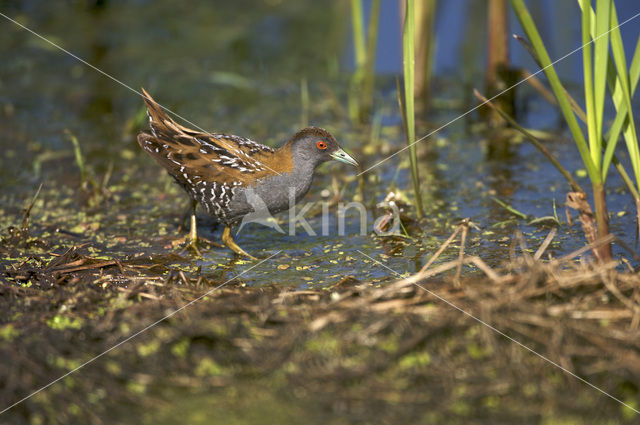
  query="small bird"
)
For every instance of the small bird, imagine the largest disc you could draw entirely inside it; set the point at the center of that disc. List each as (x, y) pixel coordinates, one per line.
(219, 171)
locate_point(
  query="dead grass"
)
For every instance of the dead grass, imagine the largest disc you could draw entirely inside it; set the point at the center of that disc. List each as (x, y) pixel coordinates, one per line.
(386, 353)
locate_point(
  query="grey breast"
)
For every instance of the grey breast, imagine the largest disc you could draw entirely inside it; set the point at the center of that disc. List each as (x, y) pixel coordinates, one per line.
(273, 194)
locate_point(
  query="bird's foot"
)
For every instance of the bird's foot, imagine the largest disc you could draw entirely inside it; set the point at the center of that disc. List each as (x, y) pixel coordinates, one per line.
(194, 244)
(190, 244)
(227, 239)
(239, 251)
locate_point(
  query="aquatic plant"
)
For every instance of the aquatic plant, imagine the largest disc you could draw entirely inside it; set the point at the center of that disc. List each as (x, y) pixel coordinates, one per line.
(361, 84)
(600, 36)
(408, 106)
(77, 153)
(425, 11)
(92, 192)
(499, 74)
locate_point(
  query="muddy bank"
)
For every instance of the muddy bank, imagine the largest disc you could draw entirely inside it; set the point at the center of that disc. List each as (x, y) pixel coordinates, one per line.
(351, 351)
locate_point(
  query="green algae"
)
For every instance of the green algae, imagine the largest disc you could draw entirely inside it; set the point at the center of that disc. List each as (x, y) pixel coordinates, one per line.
(62, 322)
(8, 332)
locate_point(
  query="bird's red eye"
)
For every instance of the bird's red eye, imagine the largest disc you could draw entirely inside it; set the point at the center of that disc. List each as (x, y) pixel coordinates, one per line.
(321, 145)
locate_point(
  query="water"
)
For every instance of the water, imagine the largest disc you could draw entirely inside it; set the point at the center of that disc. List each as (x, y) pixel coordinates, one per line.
(244, 79)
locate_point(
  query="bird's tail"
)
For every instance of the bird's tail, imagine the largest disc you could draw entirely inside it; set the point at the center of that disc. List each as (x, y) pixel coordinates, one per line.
(158, 119)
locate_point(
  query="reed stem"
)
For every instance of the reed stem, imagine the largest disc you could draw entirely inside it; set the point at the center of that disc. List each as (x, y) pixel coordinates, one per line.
(408, 44)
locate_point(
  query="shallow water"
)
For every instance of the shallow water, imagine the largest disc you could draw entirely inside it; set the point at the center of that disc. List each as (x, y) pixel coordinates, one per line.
(245, 79)
(241, 73)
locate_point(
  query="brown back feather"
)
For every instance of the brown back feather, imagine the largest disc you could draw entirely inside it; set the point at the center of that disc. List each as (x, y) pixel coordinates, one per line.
(191, 156)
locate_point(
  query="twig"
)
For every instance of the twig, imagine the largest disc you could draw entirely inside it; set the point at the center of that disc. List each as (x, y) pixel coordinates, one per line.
(426, 274)
(65, 270)
(463, 240)
(633, 307)
(574, 105)
(484, 267)
(27, 211)
(442, 248)
(565, 173)
(628, 249)
(545, 244)
(598, 242)
(523, 246)
(535, 82)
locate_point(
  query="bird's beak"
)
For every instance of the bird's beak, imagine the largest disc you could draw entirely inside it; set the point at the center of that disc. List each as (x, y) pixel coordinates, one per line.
(342, 156)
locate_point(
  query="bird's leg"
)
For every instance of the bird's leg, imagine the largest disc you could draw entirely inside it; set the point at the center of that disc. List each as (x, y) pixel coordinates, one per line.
(227, 239)
(192, 239)
(193, 234)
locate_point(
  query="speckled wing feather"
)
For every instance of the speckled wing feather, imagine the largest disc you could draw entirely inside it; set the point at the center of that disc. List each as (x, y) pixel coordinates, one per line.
(209, 166)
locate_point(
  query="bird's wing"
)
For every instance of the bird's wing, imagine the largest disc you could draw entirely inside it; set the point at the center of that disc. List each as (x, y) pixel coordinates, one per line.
(192, 156)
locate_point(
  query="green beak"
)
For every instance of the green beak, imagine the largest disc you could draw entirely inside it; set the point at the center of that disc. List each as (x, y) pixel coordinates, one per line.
(342, 156)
